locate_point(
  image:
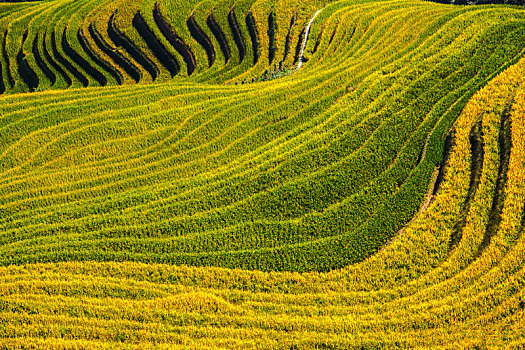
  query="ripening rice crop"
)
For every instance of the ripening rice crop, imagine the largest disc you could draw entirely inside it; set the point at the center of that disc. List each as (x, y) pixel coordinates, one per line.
(170, 179)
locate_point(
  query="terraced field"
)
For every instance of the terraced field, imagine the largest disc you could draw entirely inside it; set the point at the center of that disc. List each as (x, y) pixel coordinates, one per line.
(261, 174)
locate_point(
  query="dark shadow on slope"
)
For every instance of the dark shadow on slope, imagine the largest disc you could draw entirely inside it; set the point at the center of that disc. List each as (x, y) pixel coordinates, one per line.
(254, 35)
(333, 35)
(318, 40)
(155, 45)
(27, 73)
(505, 145)
(421, 154)
(200, 36)
(67, 65)
(174, 39)
(272, 31)
(299, 46)
(10, 79)
(55, 65)
(41, 64)
(476, 167)
(84, 43)
(449, 143)
(219, 35)
(120, 39)
(237, 34)
(288, 41)
(120, 60)
(2, 84)
(81, 62)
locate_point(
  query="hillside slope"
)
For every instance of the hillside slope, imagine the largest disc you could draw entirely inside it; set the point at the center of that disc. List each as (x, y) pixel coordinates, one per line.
(168, 178)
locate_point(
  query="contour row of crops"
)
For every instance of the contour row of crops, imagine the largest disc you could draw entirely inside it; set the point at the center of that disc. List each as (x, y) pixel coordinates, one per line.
(310, 173)
(66, 44)
(372, 198)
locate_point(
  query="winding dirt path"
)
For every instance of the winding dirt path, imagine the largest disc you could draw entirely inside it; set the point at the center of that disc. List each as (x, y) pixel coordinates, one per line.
(299, 65)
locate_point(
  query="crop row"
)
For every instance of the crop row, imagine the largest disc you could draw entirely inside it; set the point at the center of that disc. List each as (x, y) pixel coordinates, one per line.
(371, 199)
(301, 175)
(468, 300)
(68, 44)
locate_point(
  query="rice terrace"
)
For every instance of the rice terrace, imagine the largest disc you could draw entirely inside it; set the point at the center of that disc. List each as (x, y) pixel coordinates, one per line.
(262, 174)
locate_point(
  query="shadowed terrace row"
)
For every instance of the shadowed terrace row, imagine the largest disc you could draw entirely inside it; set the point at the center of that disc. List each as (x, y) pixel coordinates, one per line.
(91, 57)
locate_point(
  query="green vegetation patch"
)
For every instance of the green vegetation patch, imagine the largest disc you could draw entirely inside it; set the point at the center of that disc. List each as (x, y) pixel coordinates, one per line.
(313, 171)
